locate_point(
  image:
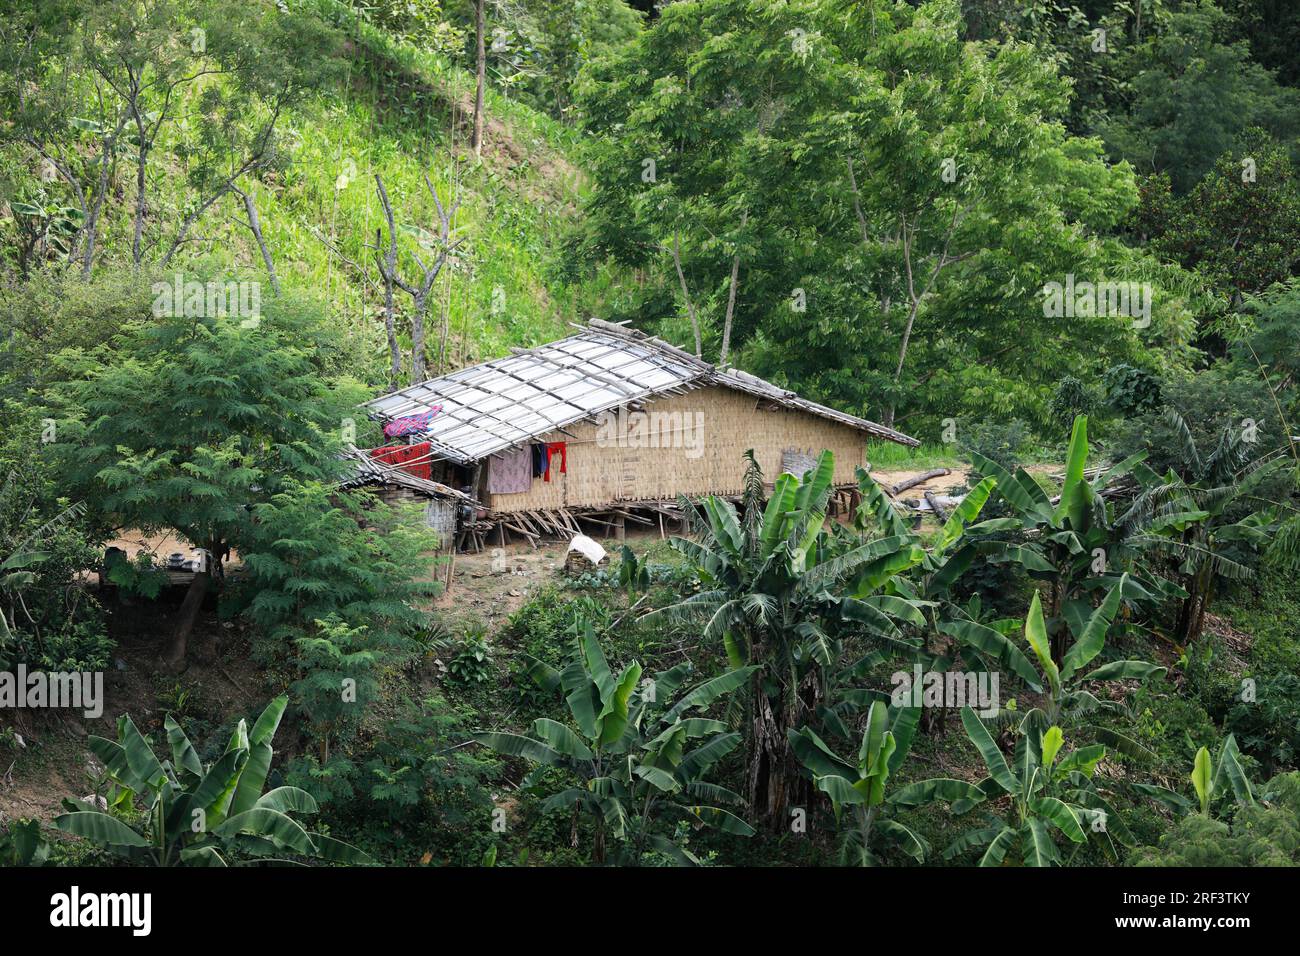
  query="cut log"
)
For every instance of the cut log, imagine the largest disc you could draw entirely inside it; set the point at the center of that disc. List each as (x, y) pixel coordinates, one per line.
(936, 507)
(186, 618)
(919, 479)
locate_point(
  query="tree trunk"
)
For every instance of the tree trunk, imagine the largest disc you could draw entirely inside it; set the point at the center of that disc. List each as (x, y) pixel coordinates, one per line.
(1191, 616)
(388, 269)
(598, 845)
(776, 782)
(140, 192)
(480, 69)
(902, 358)
(686, 295)
(92, 219)
(186, 618)
(731, 299)
(142, 164)
(255, 226)
(417, 339)
(1198, 625)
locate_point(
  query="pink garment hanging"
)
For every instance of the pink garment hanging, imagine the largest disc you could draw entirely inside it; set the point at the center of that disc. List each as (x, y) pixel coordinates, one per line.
(411, 423)
(510, 472)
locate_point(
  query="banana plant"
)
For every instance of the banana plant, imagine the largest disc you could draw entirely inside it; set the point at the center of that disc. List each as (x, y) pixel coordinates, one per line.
(15, 574)
(780, 593)
(640, 752)
(860, 785)
(1082, 638)
(179, 812)
(1209, 779)
(1206, 516)
(1076, 545)
(23, 844)
(633, 574)
(961, 541)
(1050, 791)
(1069, 700)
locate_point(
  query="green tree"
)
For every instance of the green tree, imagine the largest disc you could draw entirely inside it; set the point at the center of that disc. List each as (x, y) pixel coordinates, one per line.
(336, 601)
(1189, 95)
(188, 422)
(862, 174)
(1251, 194)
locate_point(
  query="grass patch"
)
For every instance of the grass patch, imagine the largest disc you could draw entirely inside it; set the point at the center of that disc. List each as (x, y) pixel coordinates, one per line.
(889, 456)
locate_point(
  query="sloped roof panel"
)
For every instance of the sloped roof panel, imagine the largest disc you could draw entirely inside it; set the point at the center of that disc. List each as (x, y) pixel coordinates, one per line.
(496, 405)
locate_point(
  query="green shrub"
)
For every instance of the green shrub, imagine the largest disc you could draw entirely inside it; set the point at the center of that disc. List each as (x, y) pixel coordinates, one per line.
(1070, 400)
(1268, 727)
(472, 662)
(1268, 608)
(1131, 391)
(81, 646)
(1208, 402)
(409, 789)
(1209, 681)
(1172, 725)
(1267, 834)
(999, 441)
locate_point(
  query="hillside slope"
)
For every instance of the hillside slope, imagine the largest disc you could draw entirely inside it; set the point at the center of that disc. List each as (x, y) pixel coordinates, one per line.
(399, 113)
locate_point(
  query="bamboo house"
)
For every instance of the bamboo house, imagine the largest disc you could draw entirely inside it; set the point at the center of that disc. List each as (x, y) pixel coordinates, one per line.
(605, 427)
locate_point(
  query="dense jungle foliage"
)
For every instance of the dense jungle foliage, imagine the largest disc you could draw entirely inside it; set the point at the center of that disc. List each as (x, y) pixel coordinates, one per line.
(1056, 242)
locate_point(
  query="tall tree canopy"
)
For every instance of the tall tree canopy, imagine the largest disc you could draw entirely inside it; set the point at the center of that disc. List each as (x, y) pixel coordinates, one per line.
(844, 185)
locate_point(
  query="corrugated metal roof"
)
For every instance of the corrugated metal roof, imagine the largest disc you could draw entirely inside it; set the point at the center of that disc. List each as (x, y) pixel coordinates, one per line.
(496, 405)
(361, 469)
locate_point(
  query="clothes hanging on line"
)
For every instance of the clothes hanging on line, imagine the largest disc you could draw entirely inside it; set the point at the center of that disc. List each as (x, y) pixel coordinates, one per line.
(557, 448)
(510, 472)
(412, 459)
(411, 424)
(541, 460)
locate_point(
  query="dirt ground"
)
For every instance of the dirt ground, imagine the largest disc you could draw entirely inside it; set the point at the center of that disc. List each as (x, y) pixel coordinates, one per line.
(492, 585)
(221, 683)
(939, 486)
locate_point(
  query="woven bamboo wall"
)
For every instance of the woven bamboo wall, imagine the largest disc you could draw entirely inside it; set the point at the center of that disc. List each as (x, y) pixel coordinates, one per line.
(601, 474)
(439, 516)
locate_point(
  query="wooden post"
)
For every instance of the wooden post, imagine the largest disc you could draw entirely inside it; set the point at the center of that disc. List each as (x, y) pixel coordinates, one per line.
(620, 527)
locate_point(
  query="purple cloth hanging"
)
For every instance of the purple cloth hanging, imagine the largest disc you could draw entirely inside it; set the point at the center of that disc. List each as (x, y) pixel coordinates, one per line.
(511, 472)
(411, 424)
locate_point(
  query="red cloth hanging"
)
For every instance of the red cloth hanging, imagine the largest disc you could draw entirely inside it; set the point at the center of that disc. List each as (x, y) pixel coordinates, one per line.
(557, 448)
(412, 459)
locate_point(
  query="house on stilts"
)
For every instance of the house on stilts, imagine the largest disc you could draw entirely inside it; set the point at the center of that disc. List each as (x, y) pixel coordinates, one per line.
(605, 427)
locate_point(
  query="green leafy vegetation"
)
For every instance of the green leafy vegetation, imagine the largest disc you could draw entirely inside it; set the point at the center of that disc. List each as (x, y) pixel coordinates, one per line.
(1056, 243)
